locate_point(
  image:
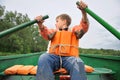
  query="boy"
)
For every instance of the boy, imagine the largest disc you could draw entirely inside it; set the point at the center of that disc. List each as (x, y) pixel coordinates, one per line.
(63, 50)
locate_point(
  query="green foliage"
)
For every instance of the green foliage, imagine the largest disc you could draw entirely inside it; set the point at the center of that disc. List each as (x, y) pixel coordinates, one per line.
(100, 51)
(23, 41)
(7, 53)
(2, 10)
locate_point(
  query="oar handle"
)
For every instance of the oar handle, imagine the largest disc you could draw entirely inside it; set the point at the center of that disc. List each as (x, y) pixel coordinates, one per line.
(19, 27)
(78, 3)
(102, 22)
(45, 17)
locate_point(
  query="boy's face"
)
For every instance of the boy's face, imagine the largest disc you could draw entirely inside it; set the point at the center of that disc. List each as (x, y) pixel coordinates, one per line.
(60, 23)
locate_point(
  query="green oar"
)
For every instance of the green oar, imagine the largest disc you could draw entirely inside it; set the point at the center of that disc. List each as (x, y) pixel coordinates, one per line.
(19, 27)
(102, 22)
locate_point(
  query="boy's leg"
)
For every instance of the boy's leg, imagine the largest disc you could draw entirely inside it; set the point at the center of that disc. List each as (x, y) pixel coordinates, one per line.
(75, 67)
(46, 64)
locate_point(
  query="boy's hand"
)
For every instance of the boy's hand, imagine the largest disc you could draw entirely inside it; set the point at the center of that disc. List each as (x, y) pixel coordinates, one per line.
(82, 5)
(40, 22)
(39, 19)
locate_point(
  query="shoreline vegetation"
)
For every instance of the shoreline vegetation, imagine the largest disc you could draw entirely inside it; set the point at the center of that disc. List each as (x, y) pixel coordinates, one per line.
(100, 51)
(81, 50)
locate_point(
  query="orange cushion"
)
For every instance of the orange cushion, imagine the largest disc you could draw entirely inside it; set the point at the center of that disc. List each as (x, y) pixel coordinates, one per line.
(89, 68)
(64, 71)
(25, 70)
(13, 69)
(61, 70)
(30, 69)
(33, 70)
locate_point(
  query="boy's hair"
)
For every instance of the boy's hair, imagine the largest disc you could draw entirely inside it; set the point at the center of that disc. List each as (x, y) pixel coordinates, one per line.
(65, 17)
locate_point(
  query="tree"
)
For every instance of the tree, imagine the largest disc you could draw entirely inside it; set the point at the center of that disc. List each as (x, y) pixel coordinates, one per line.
(24, 41)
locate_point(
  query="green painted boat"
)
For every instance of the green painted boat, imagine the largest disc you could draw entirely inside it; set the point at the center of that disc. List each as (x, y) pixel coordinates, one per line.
(106, 67)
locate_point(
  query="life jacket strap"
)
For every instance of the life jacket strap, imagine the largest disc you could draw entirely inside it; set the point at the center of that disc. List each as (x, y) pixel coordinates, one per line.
(61, 46)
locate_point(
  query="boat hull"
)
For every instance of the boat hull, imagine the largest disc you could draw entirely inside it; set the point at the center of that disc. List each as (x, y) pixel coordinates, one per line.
(103, 69)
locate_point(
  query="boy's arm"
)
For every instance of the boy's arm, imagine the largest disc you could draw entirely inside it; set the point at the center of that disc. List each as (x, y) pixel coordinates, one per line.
(81, 7)
(81, 29)
(46, 33)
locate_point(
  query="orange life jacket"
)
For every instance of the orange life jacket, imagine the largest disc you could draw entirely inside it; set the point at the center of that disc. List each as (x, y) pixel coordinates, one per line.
(64, 43)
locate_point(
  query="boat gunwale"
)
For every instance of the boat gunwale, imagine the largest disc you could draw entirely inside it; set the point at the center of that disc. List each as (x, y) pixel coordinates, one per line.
(110, 57)
(19, 56)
